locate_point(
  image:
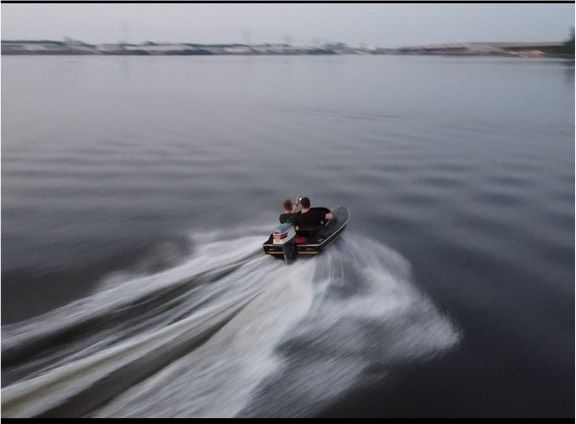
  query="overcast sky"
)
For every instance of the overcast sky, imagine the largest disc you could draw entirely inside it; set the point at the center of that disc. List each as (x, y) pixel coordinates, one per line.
(383, 25)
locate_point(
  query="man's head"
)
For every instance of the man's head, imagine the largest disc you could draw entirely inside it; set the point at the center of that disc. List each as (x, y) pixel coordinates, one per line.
(305, 202)
(287, 205)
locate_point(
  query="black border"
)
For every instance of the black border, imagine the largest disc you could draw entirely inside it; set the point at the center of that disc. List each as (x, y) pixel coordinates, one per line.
(296, 420)
(288, 2)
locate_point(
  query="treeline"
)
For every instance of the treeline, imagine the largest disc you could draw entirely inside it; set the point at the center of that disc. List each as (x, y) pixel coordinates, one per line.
(568, 48)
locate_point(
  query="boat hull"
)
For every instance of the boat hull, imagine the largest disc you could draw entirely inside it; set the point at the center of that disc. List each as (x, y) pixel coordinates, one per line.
(322, 239)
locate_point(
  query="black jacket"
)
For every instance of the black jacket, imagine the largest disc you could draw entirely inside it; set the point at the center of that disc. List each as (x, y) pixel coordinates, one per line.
(290, 218)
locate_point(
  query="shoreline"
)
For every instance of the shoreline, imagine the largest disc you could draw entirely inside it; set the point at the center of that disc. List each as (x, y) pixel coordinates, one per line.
(445, 55)
(70, 47)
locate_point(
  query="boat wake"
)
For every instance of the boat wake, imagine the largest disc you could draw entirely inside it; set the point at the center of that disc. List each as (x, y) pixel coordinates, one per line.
(229, 332)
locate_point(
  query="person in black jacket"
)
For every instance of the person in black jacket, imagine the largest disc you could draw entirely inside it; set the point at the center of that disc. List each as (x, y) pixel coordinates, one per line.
(310, 220)
(311, 217)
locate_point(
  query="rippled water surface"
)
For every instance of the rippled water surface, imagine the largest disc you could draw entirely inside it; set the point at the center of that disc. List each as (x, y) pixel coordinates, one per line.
(136, 193)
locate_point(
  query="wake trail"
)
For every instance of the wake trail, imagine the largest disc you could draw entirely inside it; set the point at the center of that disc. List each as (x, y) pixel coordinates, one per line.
(228, 332)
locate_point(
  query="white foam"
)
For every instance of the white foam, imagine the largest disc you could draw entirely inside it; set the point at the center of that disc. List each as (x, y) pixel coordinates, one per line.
(281, 340)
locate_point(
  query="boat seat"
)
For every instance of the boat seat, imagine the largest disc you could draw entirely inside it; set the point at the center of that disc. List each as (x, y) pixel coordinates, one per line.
(307, 231)
(300, 240)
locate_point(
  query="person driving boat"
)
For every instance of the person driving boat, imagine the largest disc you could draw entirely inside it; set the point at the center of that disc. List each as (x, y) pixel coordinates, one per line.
(312, 216)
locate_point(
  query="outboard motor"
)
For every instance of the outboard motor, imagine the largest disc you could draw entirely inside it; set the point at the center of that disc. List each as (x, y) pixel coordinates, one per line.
(284, 235)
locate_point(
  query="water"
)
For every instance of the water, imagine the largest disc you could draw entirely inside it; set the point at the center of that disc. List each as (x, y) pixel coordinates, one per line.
(136, 193)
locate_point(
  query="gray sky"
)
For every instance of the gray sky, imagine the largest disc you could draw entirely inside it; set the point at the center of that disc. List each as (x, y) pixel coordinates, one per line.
(383, 25)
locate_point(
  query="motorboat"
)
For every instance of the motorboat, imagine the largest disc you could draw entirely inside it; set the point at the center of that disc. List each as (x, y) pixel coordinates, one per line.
(288, 241)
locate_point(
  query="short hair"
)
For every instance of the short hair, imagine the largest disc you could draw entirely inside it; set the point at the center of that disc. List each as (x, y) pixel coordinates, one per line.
(287, 204)
(305, 202)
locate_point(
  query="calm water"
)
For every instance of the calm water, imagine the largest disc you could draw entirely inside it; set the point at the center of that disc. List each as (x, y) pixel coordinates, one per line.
(136, 193)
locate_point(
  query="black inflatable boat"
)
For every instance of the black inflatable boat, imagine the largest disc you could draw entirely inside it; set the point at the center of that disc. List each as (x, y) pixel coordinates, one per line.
(315, 239)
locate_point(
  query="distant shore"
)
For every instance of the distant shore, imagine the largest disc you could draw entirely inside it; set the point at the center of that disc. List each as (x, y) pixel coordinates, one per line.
(74, 47)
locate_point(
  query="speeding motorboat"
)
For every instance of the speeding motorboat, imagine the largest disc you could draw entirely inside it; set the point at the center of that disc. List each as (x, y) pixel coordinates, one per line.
(288, 241)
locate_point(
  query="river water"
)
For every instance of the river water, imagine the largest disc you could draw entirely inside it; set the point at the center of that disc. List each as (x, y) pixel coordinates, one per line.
(136, 193)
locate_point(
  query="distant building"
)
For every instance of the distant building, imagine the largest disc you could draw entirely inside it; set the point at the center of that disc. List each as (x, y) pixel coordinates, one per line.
(338, 47)
(68, 46)
(236, 50)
